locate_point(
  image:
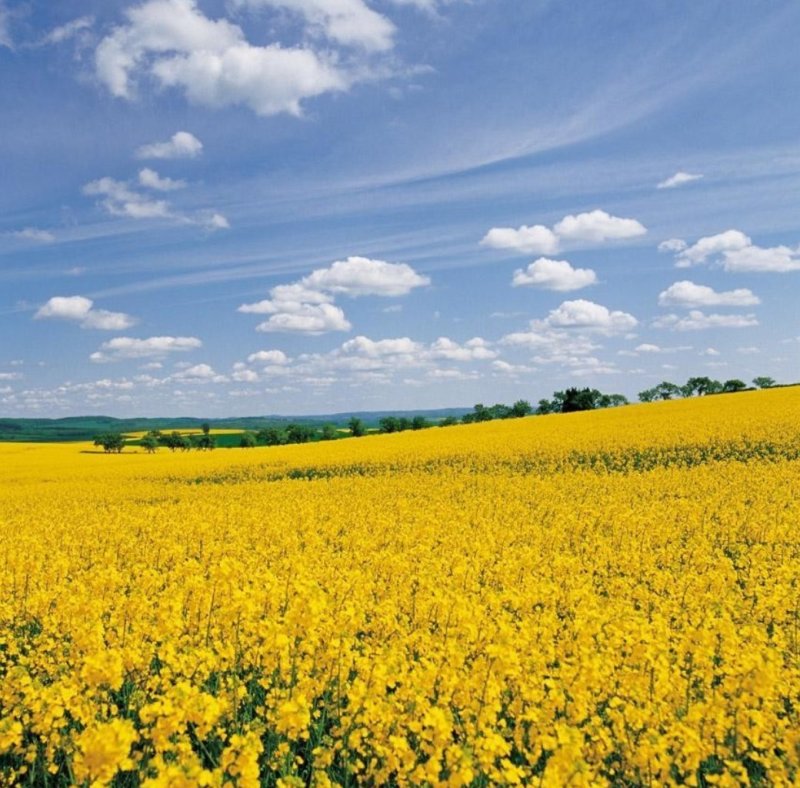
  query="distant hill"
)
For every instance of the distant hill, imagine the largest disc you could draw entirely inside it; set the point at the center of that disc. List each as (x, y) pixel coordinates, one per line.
(81, 428)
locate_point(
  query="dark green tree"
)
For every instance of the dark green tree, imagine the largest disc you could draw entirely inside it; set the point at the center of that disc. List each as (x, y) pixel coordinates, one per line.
(298, 433)
(734, 384)
(271, 436)
(328, 432)
(701, 386)
(248, 440)
(388, 424)
(764, 382)
(356, 427)
(112, 442)
(149, 443)
(579, 399)
(666, 390)
(521, 408)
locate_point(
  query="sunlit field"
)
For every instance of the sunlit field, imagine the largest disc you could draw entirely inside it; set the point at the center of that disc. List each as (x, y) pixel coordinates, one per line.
(607, 598)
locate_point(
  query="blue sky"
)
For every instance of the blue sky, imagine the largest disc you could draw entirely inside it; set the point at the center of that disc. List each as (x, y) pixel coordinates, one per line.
(306, 206)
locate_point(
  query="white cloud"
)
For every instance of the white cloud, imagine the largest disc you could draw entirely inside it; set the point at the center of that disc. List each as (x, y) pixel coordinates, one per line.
(647, 348)
(776, 259)
(678, 179)
(592, 227)
(199, 373)
(10, 376)
(506, 368)
(710, 351)
(5, 33)
(549, 344)
(173, 42)
(589, 316)
(269, 357)
(306, 319)
(698, 321)
(347, 22)
(730, 240)
(689, 294)
(34, 234)
(81, 310)
(360, 276)
(307, 306)
(150, 179)
(597, 226)
(215, 221)
(476, 349)
(245, 376)
(382, 347)
(120, 200)
(537, 239)
(556, 275)
(70, 30)
(735, 251)
(121, 348)
(182, 145)
(672, 245)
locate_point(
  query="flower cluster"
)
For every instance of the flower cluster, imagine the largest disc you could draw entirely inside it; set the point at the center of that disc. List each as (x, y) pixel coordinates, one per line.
(608, 598)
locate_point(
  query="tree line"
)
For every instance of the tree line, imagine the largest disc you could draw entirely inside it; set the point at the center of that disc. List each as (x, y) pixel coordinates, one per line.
(700, 387)
(570, 400)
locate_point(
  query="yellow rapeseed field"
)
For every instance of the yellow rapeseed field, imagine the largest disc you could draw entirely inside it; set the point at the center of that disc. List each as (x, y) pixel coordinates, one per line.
(610, 598)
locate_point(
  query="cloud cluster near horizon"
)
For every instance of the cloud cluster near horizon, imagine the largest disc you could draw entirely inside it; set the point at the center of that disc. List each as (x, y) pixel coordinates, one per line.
(307, 306)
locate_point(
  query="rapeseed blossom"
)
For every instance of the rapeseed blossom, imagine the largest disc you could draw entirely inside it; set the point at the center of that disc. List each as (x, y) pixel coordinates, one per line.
(594, 599)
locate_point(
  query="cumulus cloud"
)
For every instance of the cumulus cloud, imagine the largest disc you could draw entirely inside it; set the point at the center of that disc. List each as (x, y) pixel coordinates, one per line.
(81, 310)
(678, 179)
(214, 221)
(122, 348)
(598, 226)
(475, 349)
(305, 319)
(199, 373)
(592, 227)
(269, 357)
(119, 199)
(537, 239)
(548, 343)
(734, 251)
(211, 62)
(672, 245)
(150, 179)
(589, 316)
(182, 145)
(307, 306)
(697, 320)
(360, 276)
(698, 253)
(382, 347)
(556, 275)
(347, 22)
(776, 259)
(34, 234)
(689, 294)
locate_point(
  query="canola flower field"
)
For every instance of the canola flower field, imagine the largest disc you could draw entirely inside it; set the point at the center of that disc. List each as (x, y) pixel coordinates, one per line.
(606, 598)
